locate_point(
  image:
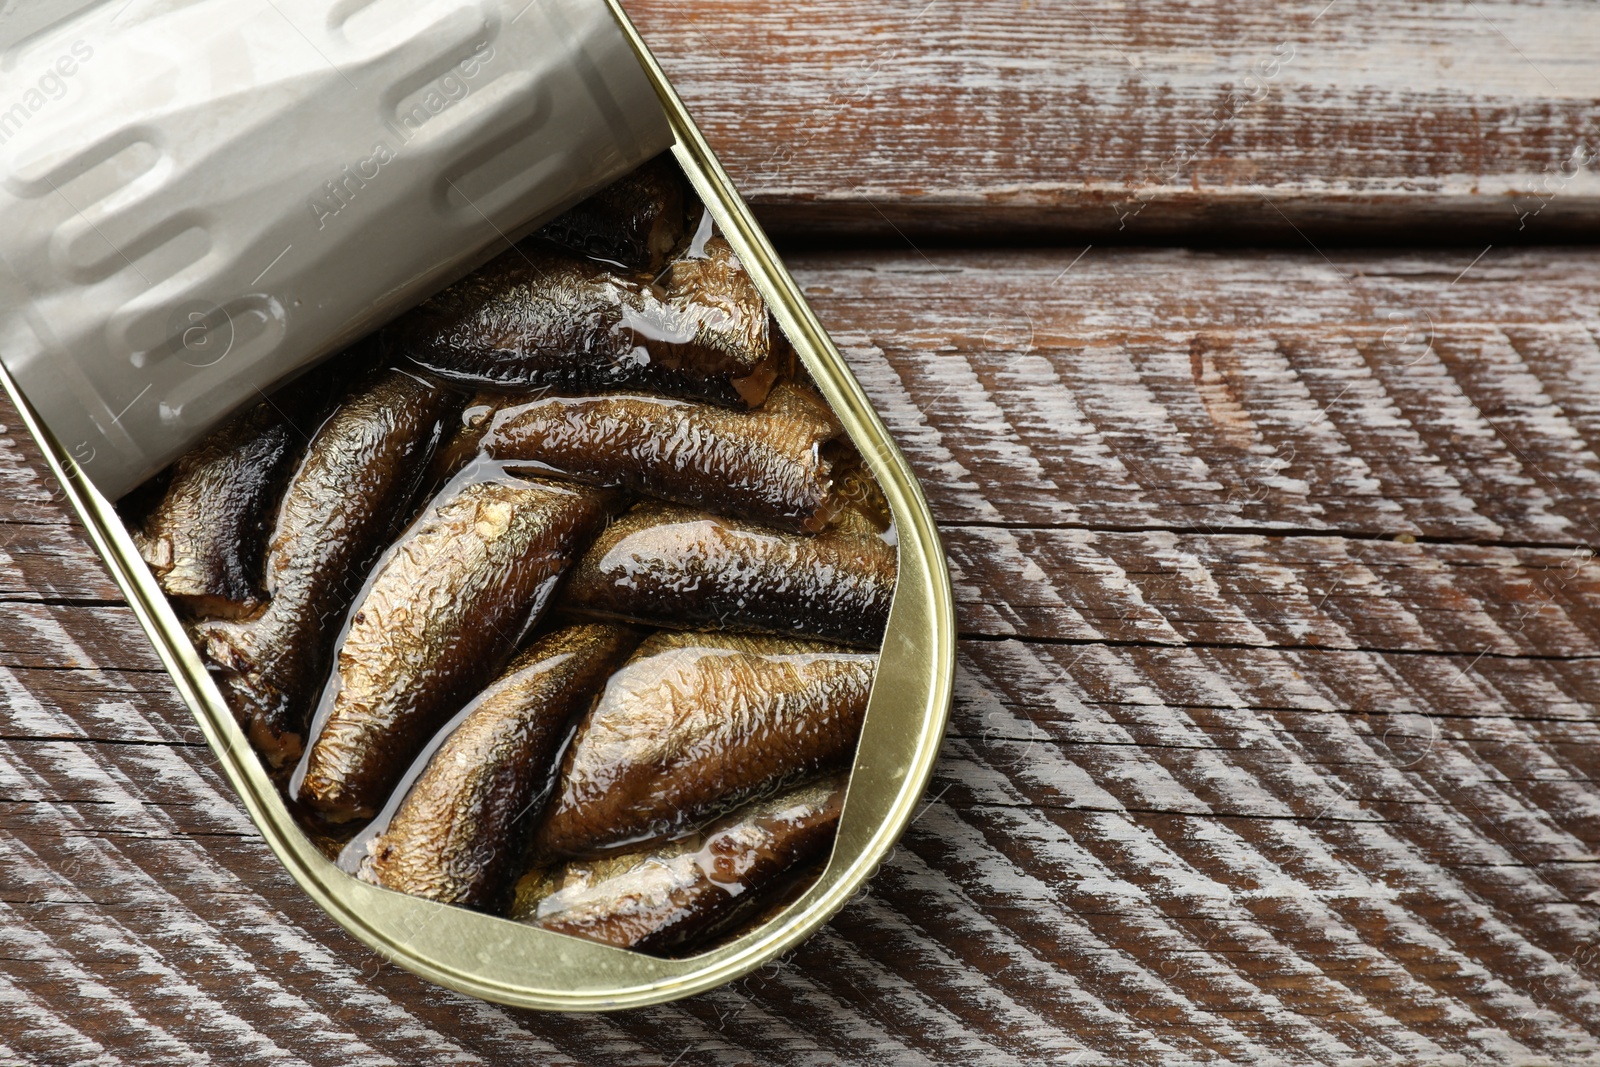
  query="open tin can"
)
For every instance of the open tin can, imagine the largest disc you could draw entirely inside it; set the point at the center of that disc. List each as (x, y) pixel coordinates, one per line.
(490, 956)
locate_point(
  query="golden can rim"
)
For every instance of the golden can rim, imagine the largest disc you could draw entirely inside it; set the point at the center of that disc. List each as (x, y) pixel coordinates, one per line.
(510, 963)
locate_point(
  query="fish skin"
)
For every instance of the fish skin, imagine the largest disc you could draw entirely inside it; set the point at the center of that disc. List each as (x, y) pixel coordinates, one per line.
(349, 495)
(708, 279)
(205, 540)
(438, 618)
(539, 318)
(694, 723)
(463, 443)
(769, 465)
(667, 897)
(680, 568)
(459, 833)
(635, 221)
(207, 533)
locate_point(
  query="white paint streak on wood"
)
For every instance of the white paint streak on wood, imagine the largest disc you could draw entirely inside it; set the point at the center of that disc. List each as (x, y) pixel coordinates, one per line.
(960, 919)
(1043, 765)
(908, 424)
(1132, 120)
(178, 926)
(22, 712)
(1361, 427)
(895, 997)
(45, 1024)
(1157, 790)
(39, 622)
(738, 1016)
(1104, 967)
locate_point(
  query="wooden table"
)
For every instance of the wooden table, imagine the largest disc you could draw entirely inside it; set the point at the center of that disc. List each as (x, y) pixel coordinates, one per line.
(1277, 719)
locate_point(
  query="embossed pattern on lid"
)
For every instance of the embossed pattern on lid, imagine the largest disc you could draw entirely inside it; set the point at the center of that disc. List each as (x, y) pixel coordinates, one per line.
(199, 200)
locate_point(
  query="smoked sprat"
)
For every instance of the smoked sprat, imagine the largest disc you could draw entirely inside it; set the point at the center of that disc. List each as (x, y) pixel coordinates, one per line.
(568, 609)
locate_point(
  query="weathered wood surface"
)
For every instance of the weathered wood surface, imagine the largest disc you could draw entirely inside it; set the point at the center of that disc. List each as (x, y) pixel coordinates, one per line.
(1275, 734)
(1210, 118)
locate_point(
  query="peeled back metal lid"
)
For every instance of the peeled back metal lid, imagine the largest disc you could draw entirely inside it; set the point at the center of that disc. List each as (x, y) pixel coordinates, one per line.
(200, 199)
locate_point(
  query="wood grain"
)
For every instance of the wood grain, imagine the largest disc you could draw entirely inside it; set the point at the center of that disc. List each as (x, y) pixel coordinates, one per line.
(1374, 396)
(1275, 735)
(1040, 118)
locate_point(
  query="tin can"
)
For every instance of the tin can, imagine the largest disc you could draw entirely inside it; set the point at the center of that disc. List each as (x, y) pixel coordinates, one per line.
(521, 965)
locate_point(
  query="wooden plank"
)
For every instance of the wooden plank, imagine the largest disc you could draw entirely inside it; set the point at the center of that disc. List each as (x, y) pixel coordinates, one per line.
(1275, 734)
(1434, 397)
(976, 117)
(1227, 590)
